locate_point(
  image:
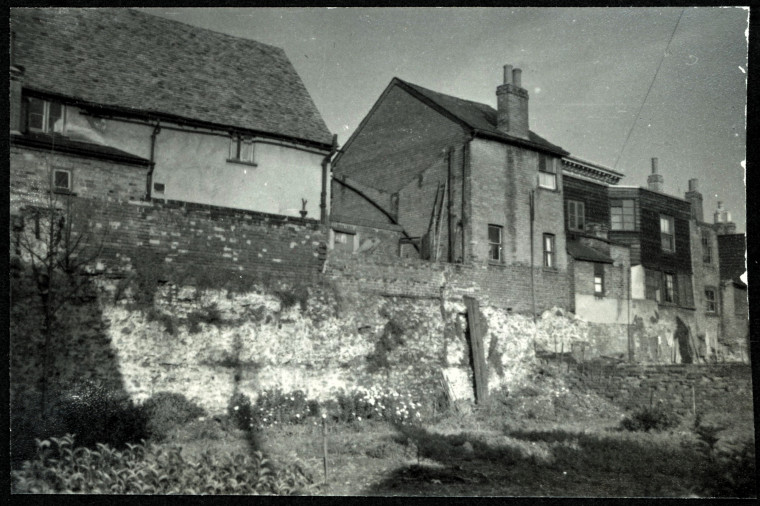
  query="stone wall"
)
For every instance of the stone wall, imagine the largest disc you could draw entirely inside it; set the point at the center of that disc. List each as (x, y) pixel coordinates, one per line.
(717, 387)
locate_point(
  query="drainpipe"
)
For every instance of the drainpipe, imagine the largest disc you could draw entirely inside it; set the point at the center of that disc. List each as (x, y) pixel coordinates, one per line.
(449, 161)
(532, 276)
(464, 217)
(156, 130)
(323, 195)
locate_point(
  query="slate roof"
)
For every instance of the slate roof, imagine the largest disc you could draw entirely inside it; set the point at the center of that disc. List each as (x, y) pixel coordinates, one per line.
(480, 117)
(128, 59)
(585, 253)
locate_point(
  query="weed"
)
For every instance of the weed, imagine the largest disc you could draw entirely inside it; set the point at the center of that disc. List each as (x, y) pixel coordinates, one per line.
(210, 315)
(167, 320)
(650, 418)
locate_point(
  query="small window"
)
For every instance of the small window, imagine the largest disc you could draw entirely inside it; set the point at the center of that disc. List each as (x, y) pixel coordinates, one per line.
(667, 236)
(61, 180)
(547, 173)
(242, 149)
(622, 215)
(549, 251)
(344, 241)
(576, 215)
(494, 243)
(159, 187)
(45, 116)
(706, 248)
(710, 301)
(669, 294)
(598, 279)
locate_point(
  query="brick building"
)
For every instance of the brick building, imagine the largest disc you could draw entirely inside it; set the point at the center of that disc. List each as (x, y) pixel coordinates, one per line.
(440, 178)
(173, 103)
(732, 300)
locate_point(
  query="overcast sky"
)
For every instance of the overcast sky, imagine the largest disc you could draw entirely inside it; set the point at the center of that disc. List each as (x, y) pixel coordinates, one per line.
(587, 71)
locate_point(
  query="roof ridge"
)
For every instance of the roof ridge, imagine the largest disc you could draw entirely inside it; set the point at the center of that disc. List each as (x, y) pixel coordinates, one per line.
(447, 95)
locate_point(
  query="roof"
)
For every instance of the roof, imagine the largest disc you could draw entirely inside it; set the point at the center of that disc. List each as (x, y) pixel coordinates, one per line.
(592, 170)
(66, 145)
(479, 117)
(585, 253)
(128, 59)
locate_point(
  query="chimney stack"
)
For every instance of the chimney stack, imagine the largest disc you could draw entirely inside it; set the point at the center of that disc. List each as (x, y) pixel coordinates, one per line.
(695, 199)
(512, 104)
(723, 224)
(655, 180)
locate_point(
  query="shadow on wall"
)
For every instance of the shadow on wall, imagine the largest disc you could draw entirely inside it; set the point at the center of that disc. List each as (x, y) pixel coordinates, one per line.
(82, 369)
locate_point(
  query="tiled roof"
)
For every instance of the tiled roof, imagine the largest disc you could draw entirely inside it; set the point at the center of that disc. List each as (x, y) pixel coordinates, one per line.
(66, 145)
(479, 116)
(582, 252)
(128, 59)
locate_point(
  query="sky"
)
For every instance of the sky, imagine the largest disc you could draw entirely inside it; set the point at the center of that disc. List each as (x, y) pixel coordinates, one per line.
(587, 71)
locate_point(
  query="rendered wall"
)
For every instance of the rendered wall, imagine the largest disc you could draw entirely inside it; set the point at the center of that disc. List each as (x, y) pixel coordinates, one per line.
(194, 166)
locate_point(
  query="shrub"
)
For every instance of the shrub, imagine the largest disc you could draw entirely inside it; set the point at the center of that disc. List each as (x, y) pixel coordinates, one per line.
(651, 418)
(166, 411)
(96, 414)
(59, 467)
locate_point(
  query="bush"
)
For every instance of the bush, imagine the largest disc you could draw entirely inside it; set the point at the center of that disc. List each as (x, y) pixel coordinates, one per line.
(652, 418)
(59, 467)
(94, 413)
(166, 411)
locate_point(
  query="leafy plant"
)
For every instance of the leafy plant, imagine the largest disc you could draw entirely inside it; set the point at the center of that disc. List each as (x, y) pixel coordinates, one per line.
(166, 411)
(59, 467)
(651, 418)
(210, 315)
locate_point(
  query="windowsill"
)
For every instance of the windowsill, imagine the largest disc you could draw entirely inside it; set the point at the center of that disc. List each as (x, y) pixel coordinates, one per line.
(550, 269)
(496, 263)
(552, 190)
(712, 314)
(242, 162)
(60, 191)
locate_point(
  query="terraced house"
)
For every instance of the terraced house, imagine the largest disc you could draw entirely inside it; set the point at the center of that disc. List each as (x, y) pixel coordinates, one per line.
(129, 106)
(439, 178)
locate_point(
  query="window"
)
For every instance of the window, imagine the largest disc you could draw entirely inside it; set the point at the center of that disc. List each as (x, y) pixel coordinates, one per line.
(494, 243)
(666, 233)
(549, 251)
(710, 301)
(669, 294)
(706, 247)
(44, 116)
(344, 241)
(61, 180)
(576, 215)
(159, 187)
(623, 215)
(241, 149)
(652, 280)
(598, 279)
(547, 174)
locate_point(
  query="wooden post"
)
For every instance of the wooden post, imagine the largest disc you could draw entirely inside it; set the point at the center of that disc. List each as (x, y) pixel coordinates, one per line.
(693, 401)
(324, 444)
(476, 344)
(562, 356)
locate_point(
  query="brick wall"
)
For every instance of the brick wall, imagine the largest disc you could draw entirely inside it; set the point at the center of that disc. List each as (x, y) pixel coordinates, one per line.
(199, 238)
(718, 387)
(91, 177)
(501, 179)
(503, 286)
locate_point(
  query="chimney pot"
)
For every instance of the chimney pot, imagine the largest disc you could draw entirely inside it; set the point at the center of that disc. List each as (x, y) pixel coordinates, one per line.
(507, 74)
(694, 185)
(517, 77)
(654, 165)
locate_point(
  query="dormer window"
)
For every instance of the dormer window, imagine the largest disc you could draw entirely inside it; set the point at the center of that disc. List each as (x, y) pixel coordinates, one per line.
(242, 150)
(45, 116)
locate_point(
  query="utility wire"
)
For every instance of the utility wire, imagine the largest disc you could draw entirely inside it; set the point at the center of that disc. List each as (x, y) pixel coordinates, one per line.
(650, 88)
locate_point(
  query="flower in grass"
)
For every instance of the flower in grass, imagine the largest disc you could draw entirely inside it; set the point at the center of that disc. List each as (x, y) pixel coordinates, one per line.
(236, 408)
(359, 418)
